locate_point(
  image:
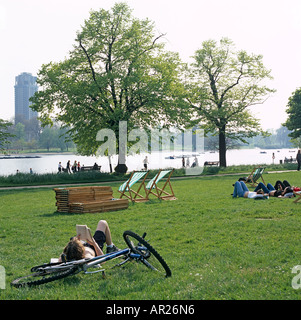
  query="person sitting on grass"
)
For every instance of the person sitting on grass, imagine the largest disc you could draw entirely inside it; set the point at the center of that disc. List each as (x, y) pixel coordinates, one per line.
(77, 249)
(286, 192)
(241, 190)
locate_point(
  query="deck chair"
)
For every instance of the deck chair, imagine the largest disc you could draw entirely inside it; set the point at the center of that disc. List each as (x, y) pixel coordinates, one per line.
(161, 193)
(298, 196)
(254, 176)
(127, 187)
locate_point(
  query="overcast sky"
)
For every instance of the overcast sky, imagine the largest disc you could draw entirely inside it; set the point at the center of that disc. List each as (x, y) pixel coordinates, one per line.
(34, 32)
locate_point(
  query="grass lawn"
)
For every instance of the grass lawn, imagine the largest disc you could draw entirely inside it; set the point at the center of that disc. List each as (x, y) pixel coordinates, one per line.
(217, 247)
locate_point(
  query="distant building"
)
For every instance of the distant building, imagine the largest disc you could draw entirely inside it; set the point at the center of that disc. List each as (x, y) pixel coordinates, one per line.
(25, 87)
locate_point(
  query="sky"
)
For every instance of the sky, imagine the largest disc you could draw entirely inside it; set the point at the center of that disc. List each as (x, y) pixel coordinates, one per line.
(35, 32)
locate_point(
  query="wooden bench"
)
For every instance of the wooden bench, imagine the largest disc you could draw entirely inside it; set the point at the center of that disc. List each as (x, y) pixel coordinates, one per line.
(211, 163)
(90, 168)
(88, 199)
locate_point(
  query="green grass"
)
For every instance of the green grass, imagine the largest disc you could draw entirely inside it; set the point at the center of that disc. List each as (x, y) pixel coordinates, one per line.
(217, 247)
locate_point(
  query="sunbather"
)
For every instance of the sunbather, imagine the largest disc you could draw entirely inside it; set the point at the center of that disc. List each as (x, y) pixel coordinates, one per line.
(241, 190)
(281, 185)
(285, 192)
(77, 249)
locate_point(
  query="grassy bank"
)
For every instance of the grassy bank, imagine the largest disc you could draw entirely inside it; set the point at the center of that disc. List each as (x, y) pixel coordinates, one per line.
(26, 179)
(217, 247)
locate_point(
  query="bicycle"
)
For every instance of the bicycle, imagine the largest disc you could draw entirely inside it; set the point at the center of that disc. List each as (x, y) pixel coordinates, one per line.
(138, 250)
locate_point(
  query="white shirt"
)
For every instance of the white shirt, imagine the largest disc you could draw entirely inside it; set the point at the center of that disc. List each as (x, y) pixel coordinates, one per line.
(253, 195)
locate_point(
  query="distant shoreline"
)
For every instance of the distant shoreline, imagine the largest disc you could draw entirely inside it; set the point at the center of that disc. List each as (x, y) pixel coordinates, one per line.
(18, 157)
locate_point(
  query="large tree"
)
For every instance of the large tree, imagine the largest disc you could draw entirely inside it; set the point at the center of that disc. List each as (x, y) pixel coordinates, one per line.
(117, 71)
(224, 84)
(293, 110)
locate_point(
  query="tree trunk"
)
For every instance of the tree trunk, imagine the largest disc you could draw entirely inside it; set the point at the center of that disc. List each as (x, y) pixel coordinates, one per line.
(121, 166)
(222, 147)
(110, 164)
(122, 149)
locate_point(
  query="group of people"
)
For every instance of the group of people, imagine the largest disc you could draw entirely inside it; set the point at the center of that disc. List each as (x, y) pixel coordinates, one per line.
(76, 167)
(281, 189)
(69, 168)
(195, 162)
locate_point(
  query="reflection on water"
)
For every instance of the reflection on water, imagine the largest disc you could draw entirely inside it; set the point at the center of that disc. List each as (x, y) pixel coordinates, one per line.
(48, 163)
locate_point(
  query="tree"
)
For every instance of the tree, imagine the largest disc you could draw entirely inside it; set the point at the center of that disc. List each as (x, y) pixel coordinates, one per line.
(19, 139)
(63, 140)
(282, 138)
(4, 133)
(296, 142)
(48, 138)
(117, 71)
(32, 129)
(293, 110)
(224, 84)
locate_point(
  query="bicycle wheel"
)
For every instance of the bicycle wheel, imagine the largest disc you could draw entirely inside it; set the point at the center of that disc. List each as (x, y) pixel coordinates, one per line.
(149, 256)
(42, 277)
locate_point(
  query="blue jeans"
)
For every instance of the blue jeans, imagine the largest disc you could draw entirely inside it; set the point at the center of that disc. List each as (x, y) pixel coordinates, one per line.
(266, 189)
(240, 189)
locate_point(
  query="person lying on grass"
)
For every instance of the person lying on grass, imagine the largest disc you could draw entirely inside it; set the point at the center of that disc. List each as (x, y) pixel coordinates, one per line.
(281, 185)
(287, 192)
(241, 190)
(77, 249)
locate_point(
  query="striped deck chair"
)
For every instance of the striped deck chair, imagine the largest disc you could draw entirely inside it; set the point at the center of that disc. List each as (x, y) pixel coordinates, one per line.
(127, 186)
(161, 193)
(254, 176)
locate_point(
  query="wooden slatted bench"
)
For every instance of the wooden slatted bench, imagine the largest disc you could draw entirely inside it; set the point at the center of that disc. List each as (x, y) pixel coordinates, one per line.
(211, 163)
(90, 168)
(88, 199)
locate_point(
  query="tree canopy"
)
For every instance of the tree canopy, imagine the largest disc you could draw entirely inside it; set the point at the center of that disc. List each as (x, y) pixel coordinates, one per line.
(224, 84)
(117, 71)
(293, 110)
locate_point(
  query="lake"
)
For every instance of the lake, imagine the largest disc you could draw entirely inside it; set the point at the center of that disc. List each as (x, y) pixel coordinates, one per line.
(47, 163)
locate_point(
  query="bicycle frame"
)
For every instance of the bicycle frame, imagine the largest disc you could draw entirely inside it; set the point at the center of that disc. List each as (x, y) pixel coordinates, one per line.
(110, 256)
(106, 257)
(85, 264)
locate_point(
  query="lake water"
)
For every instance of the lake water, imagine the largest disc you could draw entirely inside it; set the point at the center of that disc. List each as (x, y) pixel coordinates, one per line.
(47, 163)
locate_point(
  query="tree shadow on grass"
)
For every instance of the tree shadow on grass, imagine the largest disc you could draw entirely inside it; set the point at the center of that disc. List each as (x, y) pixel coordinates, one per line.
(57, 213)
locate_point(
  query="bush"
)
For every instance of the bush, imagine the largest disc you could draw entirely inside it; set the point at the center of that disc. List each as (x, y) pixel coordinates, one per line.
(54, 178)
